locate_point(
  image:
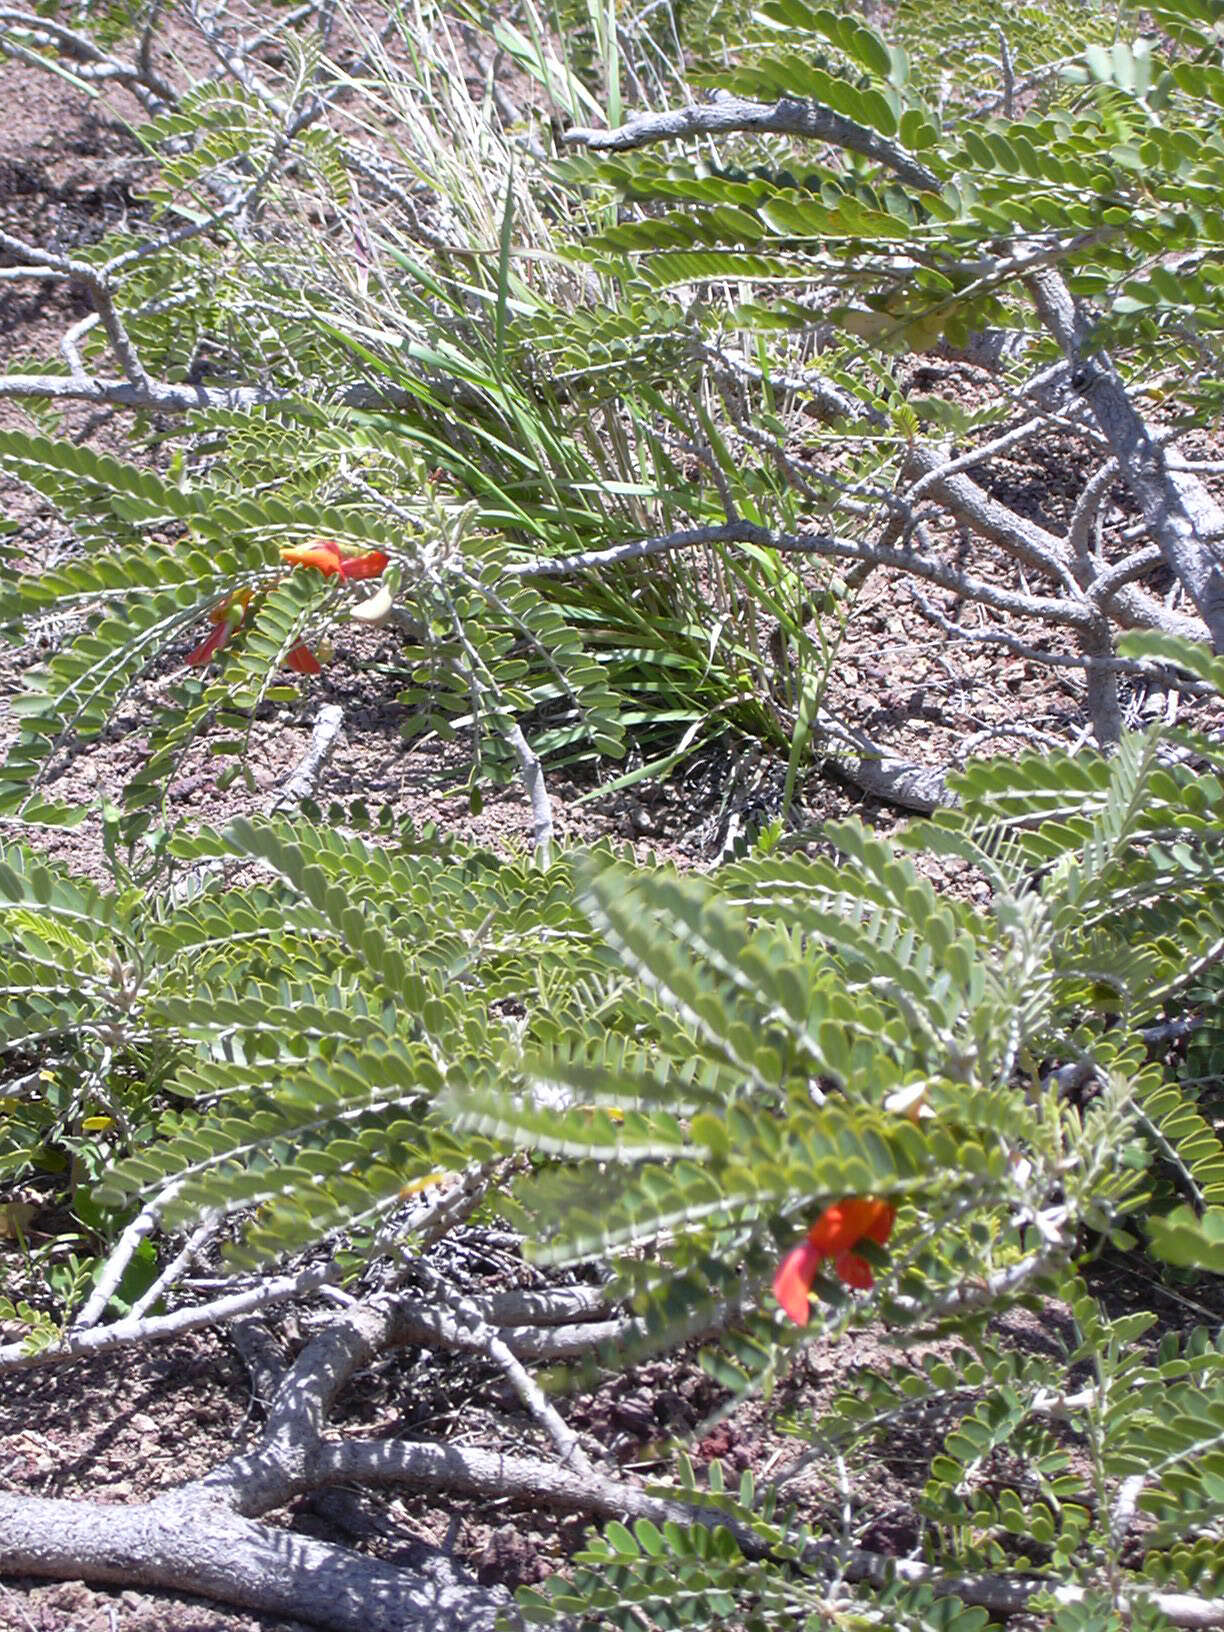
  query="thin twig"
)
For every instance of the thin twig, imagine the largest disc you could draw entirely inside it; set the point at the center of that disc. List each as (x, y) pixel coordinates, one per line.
(92, 63)
(1009, 77)
(966, 461)
(467, 1329)
(1036, 654)
(116, 1265)
(829, 400)
(1084, 517)
(159, 1328)
(1071, 613)
(170, 1274)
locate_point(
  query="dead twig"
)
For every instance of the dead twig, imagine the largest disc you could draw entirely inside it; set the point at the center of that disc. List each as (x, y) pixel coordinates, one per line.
(300, 784)
(789, 116)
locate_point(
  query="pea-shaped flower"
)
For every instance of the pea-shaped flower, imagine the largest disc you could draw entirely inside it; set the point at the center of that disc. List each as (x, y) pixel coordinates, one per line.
(835, 1234)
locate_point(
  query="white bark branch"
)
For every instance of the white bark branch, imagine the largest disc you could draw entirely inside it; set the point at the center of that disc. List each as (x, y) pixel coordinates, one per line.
(202, 1538)
(553, 1307)
(1179, 512)
(113, 1270)
(1052, 660)
(1044, 551)
(160, 396)
(92, 64)
(1074, 614)
(171, 1272)
(789, 116)
(537, 792)
(466, 1328)
(300, 784)
(558, 1335)
(159, 1328)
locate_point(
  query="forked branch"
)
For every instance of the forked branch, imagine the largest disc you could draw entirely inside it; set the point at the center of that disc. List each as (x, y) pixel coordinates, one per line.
(204, 1536)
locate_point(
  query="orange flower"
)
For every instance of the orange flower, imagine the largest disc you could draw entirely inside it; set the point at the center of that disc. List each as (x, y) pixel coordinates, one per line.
(303, 661)
(324, 555)
(199, 655)
(227, 615)
(835, 1234)
(332, 559)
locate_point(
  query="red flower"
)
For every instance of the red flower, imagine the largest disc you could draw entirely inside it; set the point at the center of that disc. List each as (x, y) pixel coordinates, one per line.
(199, 655)
(330, 558)
(835, 1234)
(227, 615)
(303, 661)
(369, 565)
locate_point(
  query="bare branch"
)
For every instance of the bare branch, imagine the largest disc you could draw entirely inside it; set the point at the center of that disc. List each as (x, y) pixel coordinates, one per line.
(192, 1545)
(93, 65)
(116, 1265)
(1023, 539)
(537, 792)
(300, 784)
(157, 395)
(1084, 518)
(1104, 709)
(101, 293)
(829, 401)
(159, 1328)
(1109, 580)
(725, 115)
(1180, 514)
(1003, 443)
(466, 1329)
(553, 1307)
(1074, 614)
(491, 1475)
(880, 774)
(41, 257)
(1048, 553)
(160, 396)
(1034, 654)
(1009, 77)
(171, 1272)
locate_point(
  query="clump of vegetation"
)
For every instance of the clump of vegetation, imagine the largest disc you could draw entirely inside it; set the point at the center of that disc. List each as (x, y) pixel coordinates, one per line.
(611, 437)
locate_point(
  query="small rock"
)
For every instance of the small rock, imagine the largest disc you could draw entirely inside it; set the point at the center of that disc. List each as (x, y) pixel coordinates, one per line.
(635, 1415)
(510, 1559)
(673, 1410)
